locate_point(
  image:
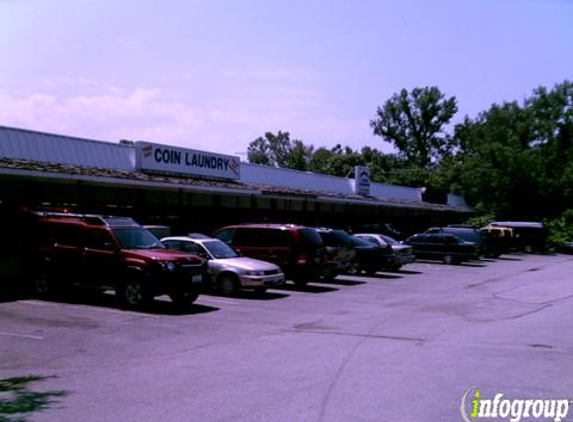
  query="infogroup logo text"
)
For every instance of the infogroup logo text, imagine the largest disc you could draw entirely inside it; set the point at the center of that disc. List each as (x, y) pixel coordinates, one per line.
(475, 408)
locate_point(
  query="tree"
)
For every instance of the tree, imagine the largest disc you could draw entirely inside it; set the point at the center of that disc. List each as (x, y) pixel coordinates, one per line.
(516, 160)
(280, 151)
(414, 123)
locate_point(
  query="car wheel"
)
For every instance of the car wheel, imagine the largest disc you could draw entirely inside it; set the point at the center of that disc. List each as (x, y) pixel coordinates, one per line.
(227, 285)
(183, 299)
(528, 249)
(396, 267)
(135, 294)
(260, 290)
(43, 287)
(371, 271)
(328, 277)
(300, 281)
(354, 270)
(449, 260)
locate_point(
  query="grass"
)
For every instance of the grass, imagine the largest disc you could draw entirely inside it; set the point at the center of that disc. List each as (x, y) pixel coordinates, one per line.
(17, 400)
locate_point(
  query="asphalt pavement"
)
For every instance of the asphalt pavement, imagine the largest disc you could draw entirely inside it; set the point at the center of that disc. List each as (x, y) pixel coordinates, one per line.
(402, 346)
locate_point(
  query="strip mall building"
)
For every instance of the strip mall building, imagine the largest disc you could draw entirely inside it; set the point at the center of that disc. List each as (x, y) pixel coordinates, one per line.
(197, 190)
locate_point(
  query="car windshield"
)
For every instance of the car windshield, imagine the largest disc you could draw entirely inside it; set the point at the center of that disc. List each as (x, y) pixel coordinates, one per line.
(311, 237)
(219, 249)
(468, 235)
(356, 241)
(137, 238)
(335, 238)
(389, 240)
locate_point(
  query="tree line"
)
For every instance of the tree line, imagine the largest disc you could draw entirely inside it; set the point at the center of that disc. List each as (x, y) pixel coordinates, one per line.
(512, 161)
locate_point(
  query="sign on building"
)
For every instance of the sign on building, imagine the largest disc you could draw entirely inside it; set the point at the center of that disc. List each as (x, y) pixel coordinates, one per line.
(164, 159)
(361, 180)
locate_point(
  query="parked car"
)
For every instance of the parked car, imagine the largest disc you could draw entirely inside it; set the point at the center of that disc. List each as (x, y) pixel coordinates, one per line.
(297, 250)
(159, 231)
(527, 236)
(107, 252)
(228, 272)
(371, 258)
(469, 234)
(443, 246)
(404, 253)
(498, 240)
(340, 254)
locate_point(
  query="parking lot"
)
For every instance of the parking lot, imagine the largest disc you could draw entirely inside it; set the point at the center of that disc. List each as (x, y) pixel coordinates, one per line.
(397, 346)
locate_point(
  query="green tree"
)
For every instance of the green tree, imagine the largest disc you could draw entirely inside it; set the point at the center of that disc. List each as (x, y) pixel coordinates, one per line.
(280, 151)
(414, 123)
(516, 160)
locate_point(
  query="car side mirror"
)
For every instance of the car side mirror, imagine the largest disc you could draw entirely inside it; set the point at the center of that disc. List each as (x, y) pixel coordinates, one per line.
(109, 246)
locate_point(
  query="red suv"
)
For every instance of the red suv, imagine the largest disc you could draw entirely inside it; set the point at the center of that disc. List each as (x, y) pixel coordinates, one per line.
(106, 252)
(297, 250)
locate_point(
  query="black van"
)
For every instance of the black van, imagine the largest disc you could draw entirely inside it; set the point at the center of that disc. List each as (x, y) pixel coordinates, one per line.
(526, 236)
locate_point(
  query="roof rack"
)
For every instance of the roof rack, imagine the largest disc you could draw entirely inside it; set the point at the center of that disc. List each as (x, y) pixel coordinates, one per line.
(93, 219)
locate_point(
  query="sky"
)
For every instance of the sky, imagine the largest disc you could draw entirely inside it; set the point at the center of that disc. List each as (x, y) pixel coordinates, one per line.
(216, 74)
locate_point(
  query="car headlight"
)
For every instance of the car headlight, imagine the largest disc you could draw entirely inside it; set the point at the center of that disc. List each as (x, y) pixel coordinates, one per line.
(167, 266)
(257, 273)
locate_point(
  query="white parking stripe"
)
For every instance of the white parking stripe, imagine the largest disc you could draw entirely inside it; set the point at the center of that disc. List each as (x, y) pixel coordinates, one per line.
(217, 301)
(22, 335)
(34, 302)
(89, 308)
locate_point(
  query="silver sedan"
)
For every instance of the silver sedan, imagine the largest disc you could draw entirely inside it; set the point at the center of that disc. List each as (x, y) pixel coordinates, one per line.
(228, 272)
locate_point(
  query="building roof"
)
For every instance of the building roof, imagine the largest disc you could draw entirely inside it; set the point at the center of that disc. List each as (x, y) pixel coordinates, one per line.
(30, 168)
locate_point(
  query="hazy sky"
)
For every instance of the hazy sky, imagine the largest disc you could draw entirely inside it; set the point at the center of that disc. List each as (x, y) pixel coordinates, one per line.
(216, 74)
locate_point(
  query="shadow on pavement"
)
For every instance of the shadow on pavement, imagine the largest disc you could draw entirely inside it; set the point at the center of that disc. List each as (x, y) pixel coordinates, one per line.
(252, 295)
(342, 281)
(474, 264)
(309, 288)
(407, 272)
(12, 290)
(383, 276)
(108, 300)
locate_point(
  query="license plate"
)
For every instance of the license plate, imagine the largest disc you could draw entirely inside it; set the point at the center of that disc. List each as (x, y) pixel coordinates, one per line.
(197, 279)
(274, 281)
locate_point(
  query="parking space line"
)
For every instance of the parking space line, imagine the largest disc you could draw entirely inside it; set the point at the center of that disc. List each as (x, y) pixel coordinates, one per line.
(34, 302)
(218, 301)
(30, 336)
(90, 308)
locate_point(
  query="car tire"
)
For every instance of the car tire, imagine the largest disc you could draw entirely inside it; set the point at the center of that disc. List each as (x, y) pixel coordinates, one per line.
(370, 272)
(449, 260)
(396, 267)
(329, 277)
(227, 285)
(528, 249)
(300, 281)
(260, 290)
(354, 270)
(43, 286)
(135, 294)
(183, 300)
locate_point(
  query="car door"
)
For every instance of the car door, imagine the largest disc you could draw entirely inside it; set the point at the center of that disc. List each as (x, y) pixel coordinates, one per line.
(61, 248)
(252, 242)
(101, 258)
(435, 245)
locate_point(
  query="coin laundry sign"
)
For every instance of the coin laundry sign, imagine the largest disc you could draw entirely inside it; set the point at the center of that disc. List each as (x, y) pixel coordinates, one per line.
(155, 158)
